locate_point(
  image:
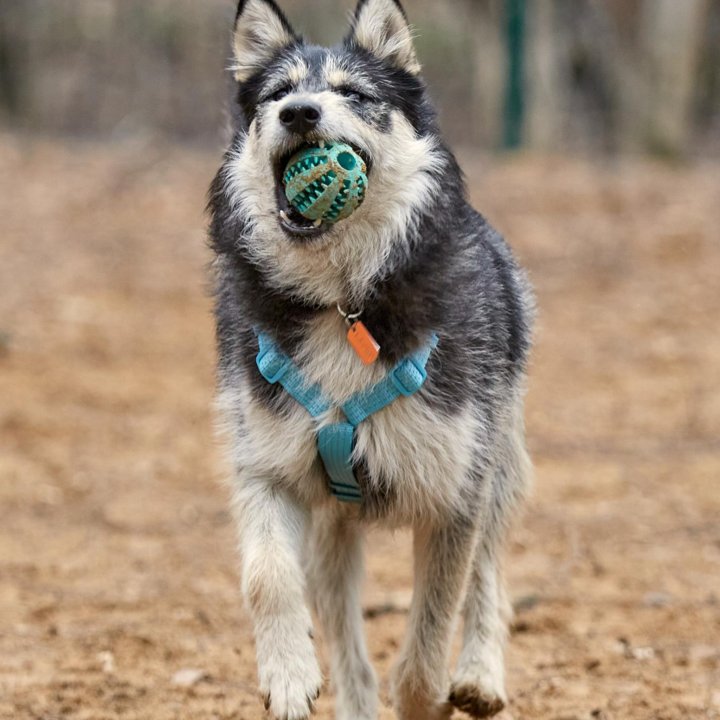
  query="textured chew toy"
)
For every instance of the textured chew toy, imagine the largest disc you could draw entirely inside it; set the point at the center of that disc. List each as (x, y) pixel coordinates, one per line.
(326, 183)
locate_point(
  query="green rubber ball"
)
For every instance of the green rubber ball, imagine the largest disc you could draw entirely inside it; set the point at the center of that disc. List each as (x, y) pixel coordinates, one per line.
(326, 183)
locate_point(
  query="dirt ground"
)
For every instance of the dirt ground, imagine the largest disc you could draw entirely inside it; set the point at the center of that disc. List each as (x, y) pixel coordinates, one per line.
(118, 575)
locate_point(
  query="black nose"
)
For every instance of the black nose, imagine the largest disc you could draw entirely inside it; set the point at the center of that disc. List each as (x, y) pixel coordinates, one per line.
(300, 118)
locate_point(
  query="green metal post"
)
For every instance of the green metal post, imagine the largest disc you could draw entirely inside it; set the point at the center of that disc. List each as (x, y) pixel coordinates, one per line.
(515, 88)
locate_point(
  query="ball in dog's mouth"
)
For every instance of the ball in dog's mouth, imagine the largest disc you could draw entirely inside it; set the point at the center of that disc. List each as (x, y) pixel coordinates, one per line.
(318, 185)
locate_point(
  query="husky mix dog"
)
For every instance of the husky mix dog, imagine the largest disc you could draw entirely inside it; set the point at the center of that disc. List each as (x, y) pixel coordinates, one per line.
(447, 459)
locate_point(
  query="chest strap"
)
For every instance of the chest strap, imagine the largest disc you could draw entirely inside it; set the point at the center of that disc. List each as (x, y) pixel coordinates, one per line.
(336, 442)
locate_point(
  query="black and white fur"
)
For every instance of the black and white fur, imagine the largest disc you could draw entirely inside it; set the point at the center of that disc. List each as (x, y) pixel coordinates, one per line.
(450, 462)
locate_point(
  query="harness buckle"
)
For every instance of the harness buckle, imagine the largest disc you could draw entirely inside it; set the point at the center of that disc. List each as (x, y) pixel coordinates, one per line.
(408, 377)
(272, 365)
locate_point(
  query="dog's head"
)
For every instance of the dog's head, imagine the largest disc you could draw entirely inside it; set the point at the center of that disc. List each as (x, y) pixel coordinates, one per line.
(366, 92)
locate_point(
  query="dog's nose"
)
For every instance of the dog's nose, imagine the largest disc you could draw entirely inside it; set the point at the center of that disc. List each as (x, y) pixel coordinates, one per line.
(300, 118)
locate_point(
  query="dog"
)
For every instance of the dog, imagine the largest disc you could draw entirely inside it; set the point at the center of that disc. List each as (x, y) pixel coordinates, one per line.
(439, 291)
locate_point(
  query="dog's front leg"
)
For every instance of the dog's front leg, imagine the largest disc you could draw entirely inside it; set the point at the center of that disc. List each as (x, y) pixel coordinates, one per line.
(442, 560)
(271, 529)
(335, 570)
(478, 686)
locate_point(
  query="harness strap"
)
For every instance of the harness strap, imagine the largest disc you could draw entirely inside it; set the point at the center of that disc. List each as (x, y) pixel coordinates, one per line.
(276, 367)
(336, 442)
(405, 379)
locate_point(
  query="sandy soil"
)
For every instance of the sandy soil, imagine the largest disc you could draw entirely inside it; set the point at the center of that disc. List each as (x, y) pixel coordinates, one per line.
(117, 565)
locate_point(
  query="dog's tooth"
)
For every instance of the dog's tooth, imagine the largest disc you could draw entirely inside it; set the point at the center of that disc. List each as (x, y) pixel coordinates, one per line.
(284, 216)
(322, 144)
(318, 222)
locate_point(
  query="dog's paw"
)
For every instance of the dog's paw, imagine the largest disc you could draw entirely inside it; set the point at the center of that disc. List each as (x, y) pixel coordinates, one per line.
(417, 697)
(477, 698)
(478, 685)
(422, 708)
(291, 685)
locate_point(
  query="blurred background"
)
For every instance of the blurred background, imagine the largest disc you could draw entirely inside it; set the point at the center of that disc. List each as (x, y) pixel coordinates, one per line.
(558, 75)
(589, 131)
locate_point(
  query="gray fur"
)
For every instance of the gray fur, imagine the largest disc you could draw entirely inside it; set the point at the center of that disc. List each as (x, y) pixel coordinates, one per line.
(450, 462)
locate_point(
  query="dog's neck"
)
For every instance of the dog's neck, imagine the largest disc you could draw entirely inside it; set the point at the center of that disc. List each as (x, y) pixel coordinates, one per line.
(400, 306)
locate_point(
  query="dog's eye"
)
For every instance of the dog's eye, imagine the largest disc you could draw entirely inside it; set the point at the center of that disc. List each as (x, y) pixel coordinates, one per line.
(352, 94)
(280, 94)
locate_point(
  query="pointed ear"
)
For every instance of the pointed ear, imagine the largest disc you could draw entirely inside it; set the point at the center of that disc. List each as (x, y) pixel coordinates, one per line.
(381, 27)
(261, 30)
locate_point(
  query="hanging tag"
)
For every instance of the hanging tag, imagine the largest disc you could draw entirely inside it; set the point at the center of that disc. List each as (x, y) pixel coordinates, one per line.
(363, 343)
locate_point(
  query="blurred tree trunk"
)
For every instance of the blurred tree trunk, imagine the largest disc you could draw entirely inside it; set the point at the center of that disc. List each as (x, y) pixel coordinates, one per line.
(489, 71)
(14, 18)
(622, 65)
(671, 33)
(546, 82)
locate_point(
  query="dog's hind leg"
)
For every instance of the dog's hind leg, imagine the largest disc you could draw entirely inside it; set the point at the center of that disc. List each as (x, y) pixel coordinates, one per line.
(271, 529)
(478, 686)
(335, 568)
(442, 559)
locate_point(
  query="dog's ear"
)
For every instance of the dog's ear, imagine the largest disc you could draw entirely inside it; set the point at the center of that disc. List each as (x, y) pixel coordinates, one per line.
(261, 30)
(381, 27)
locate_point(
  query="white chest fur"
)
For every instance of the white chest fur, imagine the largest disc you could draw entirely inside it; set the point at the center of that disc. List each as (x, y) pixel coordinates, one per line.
(422, 456)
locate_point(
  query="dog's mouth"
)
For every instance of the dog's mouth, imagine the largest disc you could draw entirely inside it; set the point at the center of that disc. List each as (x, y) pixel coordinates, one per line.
(291, 221)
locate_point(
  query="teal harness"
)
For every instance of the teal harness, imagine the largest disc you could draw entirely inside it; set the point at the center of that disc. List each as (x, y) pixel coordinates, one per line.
(336, 442)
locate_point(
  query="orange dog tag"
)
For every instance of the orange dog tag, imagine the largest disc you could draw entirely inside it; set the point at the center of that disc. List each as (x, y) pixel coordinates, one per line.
(363, 343)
